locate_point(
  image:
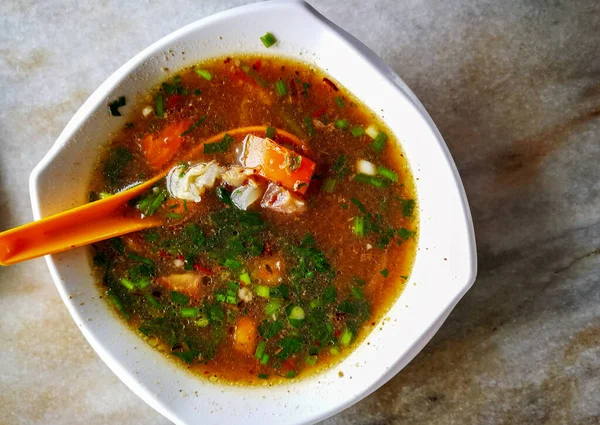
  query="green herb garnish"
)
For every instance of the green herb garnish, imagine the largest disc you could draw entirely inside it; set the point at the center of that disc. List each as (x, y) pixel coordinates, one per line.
(193, 126)
(268, 39)
(219, 147)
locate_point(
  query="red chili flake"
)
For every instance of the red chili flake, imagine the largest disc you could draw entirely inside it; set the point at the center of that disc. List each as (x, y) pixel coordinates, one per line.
(163, 253)
(289, 364)
(330, 84)
(181, 257)
(337, 333)
(241, 75)
(227, 60)
(173, 101)
(257, 65)
(202, 269)
(293, 88)
(206, 372)
(267, 250)
(319, 113)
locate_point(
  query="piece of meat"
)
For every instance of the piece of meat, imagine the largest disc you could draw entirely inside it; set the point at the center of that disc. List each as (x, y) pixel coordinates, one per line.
(268, 270)
(245, 337)
(190, 184)
(282, 200)
(235, 176)
(189, 284)
(247, 194)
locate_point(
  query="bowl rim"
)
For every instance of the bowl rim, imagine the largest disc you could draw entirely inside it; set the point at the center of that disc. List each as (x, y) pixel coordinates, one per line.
(98, 97)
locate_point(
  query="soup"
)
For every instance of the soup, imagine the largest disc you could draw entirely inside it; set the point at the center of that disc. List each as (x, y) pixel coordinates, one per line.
(289, 220)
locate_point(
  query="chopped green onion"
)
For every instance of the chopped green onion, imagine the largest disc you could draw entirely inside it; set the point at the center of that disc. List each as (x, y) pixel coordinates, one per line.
(341, 124)
(340, 101)
(232, 263)
(263, 376)
(179, 298)
(262, 291)
(104, 195)
(404, 277)
(357, 293)
(127, 283)
(281, 88)
(270, 133)
(329, 185)
(221, 146)
(152, 201)
(408, 206)
(185, 208)
(311, 130)
(384, 272)
(174, 215)
(346, 337)
(260, 350)
(334, 351)
(357, 131)
(265, 359)
(254, 75)
(297, 313)
(119, 305)
(311, 360)
(360, 206)
(153, 301)
(388, 174)
(143, 282)
(204, 74)
(151, 237)
(197, 92)
(358, 226)
(290, 374)
(268, 39)
(190, 312)
(315, 304)
(272, 306)
(159, 106)
(193, 126)
(379, 142)
(372, 180)
(358, 281)
(201, 322)
(341, 167)
(137, 257)
(344, 205)
(305, 87)
(245, 277)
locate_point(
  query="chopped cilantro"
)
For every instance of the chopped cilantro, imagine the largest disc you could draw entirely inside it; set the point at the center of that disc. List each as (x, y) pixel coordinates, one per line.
(219, 147)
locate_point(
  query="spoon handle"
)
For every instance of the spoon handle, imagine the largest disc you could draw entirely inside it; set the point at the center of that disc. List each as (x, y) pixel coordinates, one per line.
(89, 223)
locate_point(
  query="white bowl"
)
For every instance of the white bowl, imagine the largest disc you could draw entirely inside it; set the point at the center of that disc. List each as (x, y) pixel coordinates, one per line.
(444, 268)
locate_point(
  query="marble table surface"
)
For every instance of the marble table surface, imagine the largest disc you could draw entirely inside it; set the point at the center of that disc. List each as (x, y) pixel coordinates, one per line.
(514, 87)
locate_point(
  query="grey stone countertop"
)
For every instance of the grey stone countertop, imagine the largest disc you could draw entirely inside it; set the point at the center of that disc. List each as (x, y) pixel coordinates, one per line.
(514, 87)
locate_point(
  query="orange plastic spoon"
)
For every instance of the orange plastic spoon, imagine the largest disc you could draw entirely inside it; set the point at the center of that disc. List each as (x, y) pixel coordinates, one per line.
(99, 220)
(89, 223)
